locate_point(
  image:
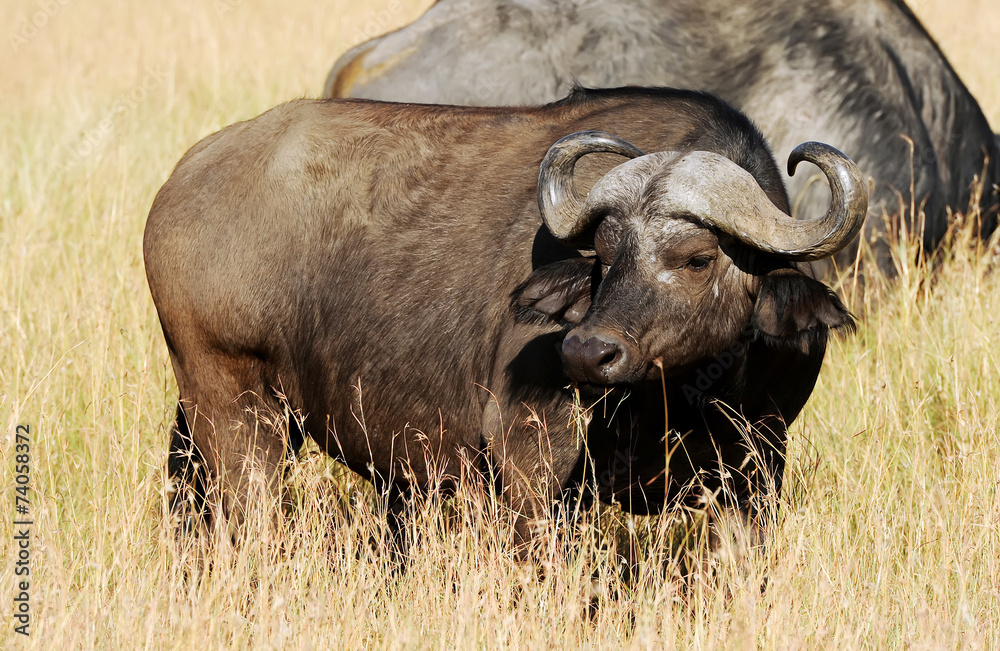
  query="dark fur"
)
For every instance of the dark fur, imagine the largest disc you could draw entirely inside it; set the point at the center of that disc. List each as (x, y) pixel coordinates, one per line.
(355, 263)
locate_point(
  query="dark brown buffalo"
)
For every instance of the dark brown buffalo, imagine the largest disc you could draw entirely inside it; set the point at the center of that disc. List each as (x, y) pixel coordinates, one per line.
(382, 272)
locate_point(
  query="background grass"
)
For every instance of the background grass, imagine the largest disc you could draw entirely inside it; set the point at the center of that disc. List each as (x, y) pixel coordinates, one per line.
(889, 530)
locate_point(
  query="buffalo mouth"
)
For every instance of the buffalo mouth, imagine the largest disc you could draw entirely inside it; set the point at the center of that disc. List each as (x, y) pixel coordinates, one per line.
(603, 358)
(648, 378)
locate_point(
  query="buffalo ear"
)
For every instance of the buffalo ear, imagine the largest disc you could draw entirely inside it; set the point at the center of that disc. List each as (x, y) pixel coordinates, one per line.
(556, 293)
(792, 305)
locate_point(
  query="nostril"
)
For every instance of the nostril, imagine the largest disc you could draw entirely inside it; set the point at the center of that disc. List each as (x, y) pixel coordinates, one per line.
(609, 358)
(599, 352)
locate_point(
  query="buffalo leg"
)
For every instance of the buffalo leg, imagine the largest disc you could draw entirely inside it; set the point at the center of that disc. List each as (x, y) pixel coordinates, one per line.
(238, 434)
(397, 507)
(186, 474)
(756, 471)
(745, 488)
(535, 463)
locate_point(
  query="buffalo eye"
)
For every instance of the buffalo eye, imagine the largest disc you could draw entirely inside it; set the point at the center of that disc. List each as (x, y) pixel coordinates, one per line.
(699, 262)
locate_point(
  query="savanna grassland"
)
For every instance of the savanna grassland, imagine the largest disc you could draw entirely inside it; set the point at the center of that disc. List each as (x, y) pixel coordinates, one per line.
(888, 535)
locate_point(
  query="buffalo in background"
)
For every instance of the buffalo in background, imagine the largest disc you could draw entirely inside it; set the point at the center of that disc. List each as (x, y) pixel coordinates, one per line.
(858, 74)
(406, 281)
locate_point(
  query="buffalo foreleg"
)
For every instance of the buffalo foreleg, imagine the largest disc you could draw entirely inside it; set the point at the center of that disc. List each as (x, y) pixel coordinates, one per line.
(534, 463)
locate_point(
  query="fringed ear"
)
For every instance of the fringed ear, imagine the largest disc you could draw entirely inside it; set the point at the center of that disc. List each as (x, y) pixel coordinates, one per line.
(556, 293)
(791, 306)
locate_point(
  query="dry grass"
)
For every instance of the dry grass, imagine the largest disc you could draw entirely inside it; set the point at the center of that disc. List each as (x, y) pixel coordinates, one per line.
(888, 535)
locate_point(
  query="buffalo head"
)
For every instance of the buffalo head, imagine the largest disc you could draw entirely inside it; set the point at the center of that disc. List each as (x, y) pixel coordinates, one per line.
(691, 255)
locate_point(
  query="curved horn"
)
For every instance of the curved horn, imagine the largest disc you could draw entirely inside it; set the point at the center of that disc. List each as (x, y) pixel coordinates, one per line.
(848, 206)
(722, 194)
(558, 202)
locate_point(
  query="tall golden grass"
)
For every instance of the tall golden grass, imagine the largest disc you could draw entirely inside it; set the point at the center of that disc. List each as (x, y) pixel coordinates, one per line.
(889, 530)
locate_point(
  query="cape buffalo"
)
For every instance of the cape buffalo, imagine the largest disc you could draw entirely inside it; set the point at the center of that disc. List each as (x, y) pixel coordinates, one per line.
(862, 75)
(382, 272)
